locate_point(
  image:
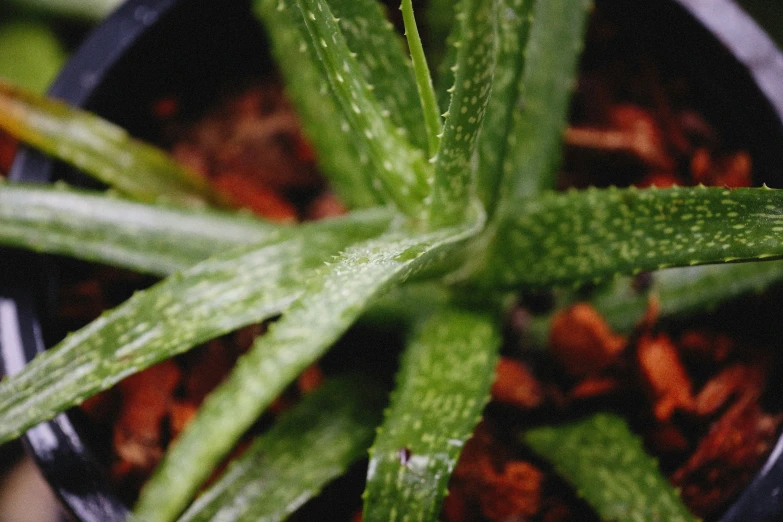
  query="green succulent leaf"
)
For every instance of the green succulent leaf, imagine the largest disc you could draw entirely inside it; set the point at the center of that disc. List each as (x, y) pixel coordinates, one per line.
(588, 235)
(30, 54)
(335, 295)
(677, 292)
(495, 138)
(429, 105)
(147, 238)
(396, 169)
(209, 299)
(453, 186)
(341, 158)
(99, 148)
(406, 305)
(384, 62)
(91, 226)
(305, 449)
(611, 470)
(683, 291)
(87, 10)
(540, 104)
(442, 387)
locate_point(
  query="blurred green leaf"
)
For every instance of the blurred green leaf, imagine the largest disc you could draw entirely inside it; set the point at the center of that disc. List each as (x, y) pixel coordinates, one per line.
(306, 448)
(30, 54)
(609, 467)
(100, 148)
(84, 10)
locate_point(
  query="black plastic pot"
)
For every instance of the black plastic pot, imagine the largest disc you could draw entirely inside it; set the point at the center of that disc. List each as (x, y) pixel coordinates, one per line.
(153, 48)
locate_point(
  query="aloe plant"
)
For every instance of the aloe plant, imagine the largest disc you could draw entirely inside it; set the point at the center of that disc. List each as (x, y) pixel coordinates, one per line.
(453, 201)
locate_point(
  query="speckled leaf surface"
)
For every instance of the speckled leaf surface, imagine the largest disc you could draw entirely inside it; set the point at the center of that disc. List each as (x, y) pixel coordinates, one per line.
(305, 449)
(453, 185)
(342, 159)
(428, 102)
(384, 62)
(535, 137)
(209, 299)
(154, 239)
(613, 472)
(442, 387)
(99, 148)
(513, 30)
(335, 295)
(586, 235)
(91, 226)
(397, 169)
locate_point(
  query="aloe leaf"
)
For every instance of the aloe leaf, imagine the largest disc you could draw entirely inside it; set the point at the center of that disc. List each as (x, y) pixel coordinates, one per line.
(453, 185)
(496, 136)
(154, 239)
(89, 225)
(407, 304)
(535, 137)
(305, 449)
(609, 468)
(384, 65)
(335, 295)
(342, 159)
(88, 10)
(684, 290)
(442, 387)
(209, 299)
(587, 235)
(429, 105)
(382, 58)
(30, 54)
(99, 148)
(397, 169)
(677, 292)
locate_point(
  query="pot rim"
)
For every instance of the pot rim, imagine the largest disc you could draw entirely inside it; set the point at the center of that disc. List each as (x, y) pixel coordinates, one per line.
(56, 446)
(60, 452)
(750, 45)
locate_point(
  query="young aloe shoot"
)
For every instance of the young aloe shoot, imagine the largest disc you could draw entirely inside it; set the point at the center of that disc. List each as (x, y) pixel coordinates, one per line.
(429, 104)
(461, 202)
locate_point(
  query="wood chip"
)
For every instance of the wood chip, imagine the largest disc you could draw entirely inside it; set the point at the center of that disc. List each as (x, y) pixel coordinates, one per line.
(515, 384)
(488, 480)
(582, 341)
(146, 398)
